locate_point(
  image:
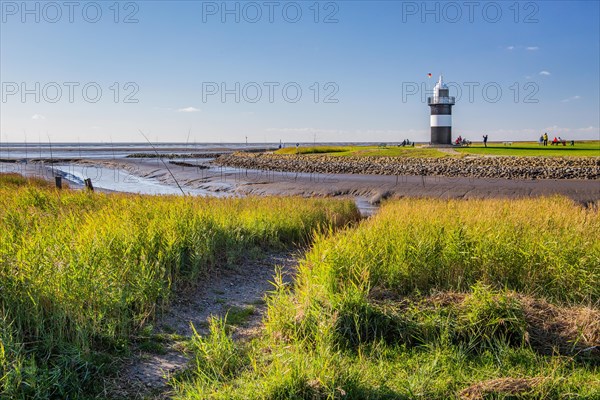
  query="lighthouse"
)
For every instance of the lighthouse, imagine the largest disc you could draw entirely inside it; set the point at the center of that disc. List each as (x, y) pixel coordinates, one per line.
(441, 114)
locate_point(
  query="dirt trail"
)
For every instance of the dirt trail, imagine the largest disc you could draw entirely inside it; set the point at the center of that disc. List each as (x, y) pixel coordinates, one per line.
(239, 290)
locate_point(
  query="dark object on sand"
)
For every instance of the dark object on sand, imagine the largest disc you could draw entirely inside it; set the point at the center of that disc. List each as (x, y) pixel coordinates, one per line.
(188, 164)
(88, 184)
(171, 156)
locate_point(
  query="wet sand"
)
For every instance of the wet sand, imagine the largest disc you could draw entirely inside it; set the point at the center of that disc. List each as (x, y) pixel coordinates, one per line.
(376, 187)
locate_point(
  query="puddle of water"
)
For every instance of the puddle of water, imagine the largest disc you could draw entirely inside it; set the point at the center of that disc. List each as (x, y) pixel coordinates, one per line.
(365, 207)
(121, 181)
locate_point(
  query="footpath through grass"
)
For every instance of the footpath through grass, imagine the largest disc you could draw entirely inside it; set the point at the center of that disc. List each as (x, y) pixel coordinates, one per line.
(428, 299)
(82, 272)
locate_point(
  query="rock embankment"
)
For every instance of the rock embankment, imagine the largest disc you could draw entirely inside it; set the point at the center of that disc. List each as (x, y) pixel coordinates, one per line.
(171, 156)
(475, 167)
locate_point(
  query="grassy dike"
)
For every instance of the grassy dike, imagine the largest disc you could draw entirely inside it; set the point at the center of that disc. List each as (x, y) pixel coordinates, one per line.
(588, 148)
(366, 151)
(80, 273)
(428, 299)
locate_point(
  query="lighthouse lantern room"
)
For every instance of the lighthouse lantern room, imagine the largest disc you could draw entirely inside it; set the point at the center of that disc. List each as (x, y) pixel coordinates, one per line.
(441, 114)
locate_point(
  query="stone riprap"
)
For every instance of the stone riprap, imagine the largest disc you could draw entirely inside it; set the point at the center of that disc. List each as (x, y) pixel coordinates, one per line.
(471, 166)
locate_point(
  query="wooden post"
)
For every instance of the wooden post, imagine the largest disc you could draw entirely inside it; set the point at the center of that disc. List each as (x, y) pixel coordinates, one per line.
(88, 184)
(58, 182)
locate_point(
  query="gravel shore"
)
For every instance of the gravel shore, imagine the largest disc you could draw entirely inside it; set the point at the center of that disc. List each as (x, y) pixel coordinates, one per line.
(587, 168)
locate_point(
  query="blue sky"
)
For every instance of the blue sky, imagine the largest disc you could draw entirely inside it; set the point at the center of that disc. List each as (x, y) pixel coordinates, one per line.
(361, 67)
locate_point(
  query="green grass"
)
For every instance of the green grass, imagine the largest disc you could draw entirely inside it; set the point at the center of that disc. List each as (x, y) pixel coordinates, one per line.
(581, 149)
(17, 180)
(428, 299)
(238, 316)
(81, 274)
(312, 150)
(366, 151)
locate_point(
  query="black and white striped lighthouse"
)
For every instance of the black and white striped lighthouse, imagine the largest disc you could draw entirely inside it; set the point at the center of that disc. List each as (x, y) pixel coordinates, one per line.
(441, 114)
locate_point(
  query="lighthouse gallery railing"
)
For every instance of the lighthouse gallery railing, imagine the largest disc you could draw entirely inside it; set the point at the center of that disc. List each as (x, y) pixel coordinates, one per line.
(441, 100)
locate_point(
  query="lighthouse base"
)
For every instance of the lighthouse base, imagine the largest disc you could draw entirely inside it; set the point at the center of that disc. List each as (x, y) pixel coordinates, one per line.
(441, 135)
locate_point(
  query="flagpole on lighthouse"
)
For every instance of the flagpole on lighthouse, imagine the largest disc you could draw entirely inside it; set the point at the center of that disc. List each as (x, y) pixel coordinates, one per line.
(427, 86)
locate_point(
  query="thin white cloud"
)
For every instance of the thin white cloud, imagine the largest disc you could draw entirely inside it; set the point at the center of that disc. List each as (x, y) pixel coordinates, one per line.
(305, 130)
(527, 133)
(188, 110)
(366, 133)
(507, 132)
(572, 98)
(545, 73)
(521, 47)
(96, 128)
(400, 133)
(37, 117)
(558, 129)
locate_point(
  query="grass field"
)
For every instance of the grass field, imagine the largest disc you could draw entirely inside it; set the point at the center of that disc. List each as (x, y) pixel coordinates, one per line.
(366, 151)
(581, 149)
(429, 299)
(82, 272)
(315, 150)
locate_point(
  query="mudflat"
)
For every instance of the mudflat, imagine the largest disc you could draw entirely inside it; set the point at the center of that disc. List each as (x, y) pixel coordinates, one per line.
(223, 180)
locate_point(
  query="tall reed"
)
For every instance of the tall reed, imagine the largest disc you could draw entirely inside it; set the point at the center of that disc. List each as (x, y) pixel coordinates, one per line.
(79, 272)
(430, 299)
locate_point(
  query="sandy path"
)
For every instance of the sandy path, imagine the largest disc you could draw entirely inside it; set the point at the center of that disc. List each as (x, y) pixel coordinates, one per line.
(241, 287)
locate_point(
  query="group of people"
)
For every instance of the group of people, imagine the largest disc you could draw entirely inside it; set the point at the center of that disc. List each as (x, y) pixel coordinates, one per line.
(407, 142)
(461, 141)
(555, 142)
